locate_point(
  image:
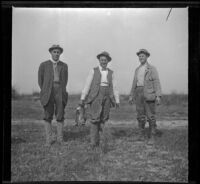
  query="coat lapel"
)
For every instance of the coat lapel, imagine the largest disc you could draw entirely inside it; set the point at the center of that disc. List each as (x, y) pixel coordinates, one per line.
(147, 69)
(50, 68)
(59, 67)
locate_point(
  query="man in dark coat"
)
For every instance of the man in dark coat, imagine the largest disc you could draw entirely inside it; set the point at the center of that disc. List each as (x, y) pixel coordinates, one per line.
(52, 80)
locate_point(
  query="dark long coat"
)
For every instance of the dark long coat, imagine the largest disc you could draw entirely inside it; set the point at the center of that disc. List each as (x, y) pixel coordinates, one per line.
(45, 80)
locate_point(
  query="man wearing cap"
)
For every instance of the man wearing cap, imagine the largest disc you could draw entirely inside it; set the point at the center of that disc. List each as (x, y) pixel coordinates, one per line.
(145, 91)
(100, 92)
(52, 80)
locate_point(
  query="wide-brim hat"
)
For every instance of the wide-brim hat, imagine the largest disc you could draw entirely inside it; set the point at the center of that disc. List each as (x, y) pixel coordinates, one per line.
(104, 53)
(56, 47)
(143, 51)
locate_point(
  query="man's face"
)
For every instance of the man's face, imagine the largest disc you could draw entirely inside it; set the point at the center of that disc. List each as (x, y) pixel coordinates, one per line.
(55, 54)
(142, 58)
(103, 61)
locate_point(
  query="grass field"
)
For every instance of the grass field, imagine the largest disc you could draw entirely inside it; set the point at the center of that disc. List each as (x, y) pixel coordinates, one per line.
(119, 158)
(173, 107)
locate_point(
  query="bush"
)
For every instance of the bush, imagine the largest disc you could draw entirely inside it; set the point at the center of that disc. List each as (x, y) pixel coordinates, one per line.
(176, 99)
(167, 99)
(36, 94)
(15, 93)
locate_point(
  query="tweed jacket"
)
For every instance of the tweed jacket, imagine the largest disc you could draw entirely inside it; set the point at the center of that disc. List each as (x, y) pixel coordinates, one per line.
(45, 80)
(152, 87)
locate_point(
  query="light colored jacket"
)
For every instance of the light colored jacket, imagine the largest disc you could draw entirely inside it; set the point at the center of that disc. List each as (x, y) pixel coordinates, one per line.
(45, 81)
(152, 87)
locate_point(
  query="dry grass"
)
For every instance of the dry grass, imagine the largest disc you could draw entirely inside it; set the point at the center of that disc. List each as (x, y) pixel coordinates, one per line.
(27, 108)
(120, 156)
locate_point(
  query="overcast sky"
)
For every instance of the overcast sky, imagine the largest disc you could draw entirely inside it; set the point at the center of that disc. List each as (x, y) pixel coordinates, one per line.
(83, 33)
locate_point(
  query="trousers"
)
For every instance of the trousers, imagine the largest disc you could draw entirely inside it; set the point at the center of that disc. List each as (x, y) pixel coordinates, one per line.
(100, 107)
(55, 105)
(145, 109)
(99, 111)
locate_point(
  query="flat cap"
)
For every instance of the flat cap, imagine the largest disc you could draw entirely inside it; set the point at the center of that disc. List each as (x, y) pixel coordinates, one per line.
(104, 53)
(143, 51)
(56, 47)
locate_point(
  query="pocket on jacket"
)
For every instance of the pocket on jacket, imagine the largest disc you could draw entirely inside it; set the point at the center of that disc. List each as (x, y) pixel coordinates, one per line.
(150, 78)
(149, 83)
(150, 94)
(150, 90)
(150, 97)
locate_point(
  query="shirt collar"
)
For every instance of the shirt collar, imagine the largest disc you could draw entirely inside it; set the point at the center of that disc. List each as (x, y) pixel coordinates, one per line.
(54, 62)
(145, 65)
(101, 69)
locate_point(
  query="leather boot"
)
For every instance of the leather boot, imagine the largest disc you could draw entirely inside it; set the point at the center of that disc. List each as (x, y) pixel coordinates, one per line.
(48, 131)
(60, 132)
(141, 125)
(141, 136)
(152, 129)
(152, 134)
(94, 134)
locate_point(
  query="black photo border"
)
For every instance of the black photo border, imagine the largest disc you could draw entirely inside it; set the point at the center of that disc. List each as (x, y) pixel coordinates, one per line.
(193, 69)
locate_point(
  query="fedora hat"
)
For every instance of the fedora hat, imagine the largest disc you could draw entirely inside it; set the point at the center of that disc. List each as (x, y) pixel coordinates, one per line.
(104, 53)
(143, 51)
(56, 47)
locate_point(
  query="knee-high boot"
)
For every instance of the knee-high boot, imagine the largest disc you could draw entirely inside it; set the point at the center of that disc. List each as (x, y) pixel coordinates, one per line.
(48, 132)
(141, 126)
(94, 134)
(60, 132)
(152, 130)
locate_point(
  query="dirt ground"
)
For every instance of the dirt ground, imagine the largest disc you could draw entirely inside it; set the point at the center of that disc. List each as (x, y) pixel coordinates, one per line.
(120, 158)
(161, 124)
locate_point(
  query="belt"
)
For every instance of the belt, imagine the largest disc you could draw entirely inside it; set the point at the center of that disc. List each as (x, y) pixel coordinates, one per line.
(103, 86)
(56, 82)
(140, 86)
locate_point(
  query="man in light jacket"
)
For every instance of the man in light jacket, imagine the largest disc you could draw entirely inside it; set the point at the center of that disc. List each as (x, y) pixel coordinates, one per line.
(145, 91)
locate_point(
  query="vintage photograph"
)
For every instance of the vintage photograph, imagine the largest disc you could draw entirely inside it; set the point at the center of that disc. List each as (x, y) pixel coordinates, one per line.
(99, 94)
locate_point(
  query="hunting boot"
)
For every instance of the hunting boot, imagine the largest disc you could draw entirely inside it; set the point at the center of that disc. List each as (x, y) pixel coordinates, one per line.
(94, 134)
(60, 133)
(48, 131)
(141, 136)
(106, 137)
(152, 129)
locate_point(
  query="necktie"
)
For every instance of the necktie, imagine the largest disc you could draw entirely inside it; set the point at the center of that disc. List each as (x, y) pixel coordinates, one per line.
(55, 66)
(56, 78)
